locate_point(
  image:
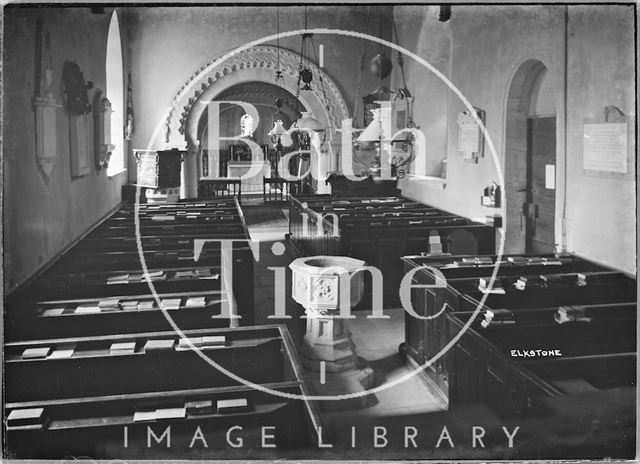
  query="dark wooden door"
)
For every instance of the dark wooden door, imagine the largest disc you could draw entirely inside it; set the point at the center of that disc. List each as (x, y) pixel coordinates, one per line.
(540, 206)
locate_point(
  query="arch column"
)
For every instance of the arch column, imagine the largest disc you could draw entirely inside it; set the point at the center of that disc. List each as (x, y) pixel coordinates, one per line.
(189, 173)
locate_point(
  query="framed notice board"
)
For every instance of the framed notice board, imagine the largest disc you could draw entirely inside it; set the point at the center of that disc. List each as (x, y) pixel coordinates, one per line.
(608, 144)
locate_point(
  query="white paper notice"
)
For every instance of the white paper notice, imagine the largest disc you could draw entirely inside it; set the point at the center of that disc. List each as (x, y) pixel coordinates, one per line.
(605, 147)
(469, 138)
(550, 176)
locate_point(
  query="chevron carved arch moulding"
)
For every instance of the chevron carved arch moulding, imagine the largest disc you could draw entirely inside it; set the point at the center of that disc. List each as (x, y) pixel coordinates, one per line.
(252, 64)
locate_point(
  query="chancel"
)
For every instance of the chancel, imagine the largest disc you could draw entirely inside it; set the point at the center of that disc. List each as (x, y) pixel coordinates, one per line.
(346, 231)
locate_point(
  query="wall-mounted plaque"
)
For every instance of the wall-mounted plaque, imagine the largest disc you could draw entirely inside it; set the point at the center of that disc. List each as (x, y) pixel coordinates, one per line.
(605, 147)
(45, 104)
(606, 142)
(470, 138)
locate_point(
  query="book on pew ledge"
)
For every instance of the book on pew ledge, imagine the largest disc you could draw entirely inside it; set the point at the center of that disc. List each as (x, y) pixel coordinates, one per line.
(51, 312)
(206, 274)
(87, 309)
(483, 286)
(209, 341)
(118, 279)
(195, 302)
(199, 407)
(112, 304)
(464, 262)
(518, 260)
(144, 415)
(571, 314)
(123, 348)
(184, 275)
(40, 352)
(179, 412)
(171, 303)
(63, 351)
(232, 405)
(159, 345)
(146, 305)
(129, 305)
(483, 260)
(525, 282)
(162, 218)
(183, 344)
(154, 276)
(22, 417)
(581, 280)
(497, 317)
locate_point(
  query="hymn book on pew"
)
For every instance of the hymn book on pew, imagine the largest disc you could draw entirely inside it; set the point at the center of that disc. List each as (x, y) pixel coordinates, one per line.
(199, 407)
(87, 309)
(122, 348)
(129, 305)
(483, 286)
(40, 352)
(63, 351)
(112, 304)
(163, 218)
(209, 341)
(159, 345)
(232, 405)
(146, 305)
(26, 417)
(171, 303)
(171, 413)
(195, 302)
(566, 314)
(497, 317)
(192, 408)
(118, 279)
(51, 312)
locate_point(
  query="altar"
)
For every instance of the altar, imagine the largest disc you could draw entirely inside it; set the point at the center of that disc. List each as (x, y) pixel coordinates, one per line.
(241, 168)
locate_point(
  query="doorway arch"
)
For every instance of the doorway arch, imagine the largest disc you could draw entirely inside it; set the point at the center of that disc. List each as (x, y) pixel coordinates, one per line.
(530, 108)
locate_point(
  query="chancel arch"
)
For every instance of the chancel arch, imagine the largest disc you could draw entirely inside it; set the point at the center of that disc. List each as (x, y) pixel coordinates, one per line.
(256, 64)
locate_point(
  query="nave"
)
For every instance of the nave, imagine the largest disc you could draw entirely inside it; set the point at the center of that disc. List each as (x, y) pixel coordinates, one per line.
(319, 231)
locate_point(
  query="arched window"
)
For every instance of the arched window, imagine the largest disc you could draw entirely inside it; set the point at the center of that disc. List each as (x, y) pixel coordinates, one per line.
(115, 94)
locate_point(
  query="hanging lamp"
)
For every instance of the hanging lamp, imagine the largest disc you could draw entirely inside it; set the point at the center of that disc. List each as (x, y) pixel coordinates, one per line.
(307, 121)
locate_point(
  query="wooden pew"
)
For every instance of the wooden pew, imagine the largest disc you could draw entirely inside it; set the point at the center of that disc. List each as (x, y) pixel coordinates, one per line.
(111, 250)
(123, 282)
(481, 367)
(95, 369)
(91, 399)
(380, 231)
(120, 314)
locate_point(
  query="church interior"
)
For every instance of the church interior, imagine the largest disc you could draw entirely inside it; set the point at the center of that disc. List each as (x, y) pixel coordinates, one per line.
(342, 231)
